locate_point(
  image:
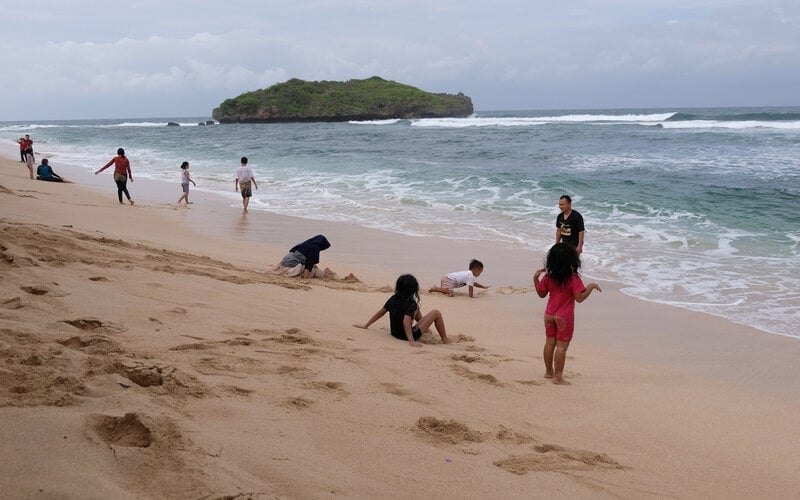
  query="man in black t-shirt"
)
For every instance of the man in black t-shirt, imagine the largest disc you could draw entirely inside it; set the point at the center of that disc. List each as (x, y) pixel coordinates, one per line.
(569, 224)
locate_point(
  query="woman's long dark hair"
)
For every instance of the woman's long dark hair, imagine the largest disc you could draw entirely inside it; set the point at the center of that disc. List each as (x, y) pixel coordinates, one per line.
(407, 287)
(562, 262)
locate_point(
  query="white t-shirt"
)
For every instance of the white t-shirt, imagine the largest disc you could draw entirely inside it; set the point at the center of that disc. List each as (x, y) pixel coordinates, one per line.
(244, 174)
(461, 278)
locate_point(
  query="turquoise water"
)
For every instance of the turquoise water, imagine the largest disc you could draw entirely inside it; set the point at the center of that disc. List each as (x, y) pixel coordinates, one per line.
(697, 208)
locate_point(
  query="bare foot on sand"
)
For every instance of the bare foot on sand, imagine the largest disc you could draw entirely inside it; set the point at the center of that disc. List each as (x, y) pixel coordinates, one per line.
(351, 278)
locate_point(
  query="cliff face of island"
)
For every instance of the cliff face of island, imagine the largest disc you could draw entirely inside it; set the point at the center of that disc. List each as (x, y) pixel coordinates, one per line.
(371, 99)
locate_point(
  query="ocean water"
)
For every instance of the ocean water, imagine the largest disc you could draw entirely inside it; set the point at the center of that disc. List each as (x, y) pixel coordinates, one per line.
(697, 208)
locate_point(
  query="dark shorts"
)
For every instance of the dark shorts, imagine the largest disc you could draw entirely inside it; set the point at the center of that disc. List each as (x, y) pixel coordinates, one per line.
(245, 189)
(185, 187)
(415, 332)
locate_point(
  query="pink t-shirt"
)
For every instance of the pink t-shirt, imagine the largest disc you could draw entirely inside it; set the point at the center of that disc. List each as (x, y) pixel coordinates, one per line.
(562, 298)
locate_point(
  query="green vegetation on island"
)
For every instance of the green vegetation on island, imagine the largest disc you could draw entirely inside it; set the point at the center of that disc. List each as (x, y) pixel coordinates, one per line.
(371, 99)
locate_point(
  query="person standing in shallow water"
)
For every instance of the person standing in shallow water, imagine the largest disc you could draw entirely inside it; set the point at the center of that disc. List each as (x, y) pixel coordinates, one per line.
(569, 225)
(244, 178)
(122, 172)
(186, 178)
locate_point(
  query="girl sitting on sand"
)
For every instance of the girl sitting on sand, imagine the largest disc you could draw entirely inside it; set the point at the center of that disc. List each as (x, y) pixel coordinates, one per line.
(403, 308)
(565, 287)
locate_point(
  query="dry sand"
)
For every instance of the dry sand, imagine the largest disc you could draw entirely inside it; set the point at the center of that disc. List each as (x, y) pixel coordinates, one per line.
(146, 353)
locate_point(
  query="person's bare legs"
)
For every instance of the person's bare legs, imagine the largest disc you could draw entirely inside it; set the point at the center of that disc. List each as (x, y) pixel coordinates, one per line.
(440, 289)
(559, 359)
(245, 202)
(434, 317)
(549, 349)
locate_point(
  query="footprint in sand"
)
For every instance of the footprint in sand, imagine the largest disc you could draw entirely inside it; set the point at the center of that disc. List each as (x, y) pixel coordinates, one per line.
(479, 377)
(12, 303)
(92, 344)
(163, 379)
(336, 388)
(530, 382)
(298, 403)
(99, 278)
(466, 358)
(509, 435)
(447, 431)
(554, 458)
(236, 390)
(397, 390)
(474, 348)
(512, 290)
(128, 431)
(90, 324)
(192, 347)
(43, 290)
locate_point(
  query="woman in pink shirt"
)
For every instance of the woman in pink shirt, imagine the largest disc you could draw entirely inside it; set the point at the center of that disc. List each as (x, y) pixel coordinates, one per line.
(122, 172)
(562, 282)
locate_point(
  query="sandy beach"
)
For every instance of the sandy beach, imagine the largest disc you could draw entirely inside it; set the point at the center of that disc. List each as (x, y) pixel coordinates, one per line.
(148, 353)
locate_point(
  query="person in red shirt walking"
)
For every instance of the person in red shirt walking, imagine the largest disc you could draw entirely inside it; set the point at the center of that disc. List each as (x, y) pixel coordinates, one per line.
(122, 172)
(25, 143)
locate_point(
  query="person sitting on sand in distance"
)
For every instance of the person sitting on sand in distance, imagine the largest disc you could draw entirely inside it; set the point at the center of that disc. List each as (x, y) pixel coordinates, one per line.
(303, 258)
(457, 279)
(44, 172)
(562, 282)
(403, 308)
(122, 172)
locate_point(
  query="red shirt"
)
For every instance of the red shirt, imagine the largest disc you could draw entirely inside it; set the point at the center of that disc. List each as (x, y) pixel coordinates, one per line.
(562, 298)
(121, 166)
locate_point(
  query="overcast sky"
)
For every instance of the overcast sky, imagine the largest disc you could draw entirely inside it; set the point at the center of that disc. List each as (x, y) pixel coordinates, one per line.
(173, 58)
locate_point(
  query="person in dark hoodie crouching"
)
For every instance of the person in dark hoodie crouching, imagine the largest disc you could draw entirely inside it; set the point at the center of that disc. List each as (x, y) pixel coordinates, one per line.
(303, 258)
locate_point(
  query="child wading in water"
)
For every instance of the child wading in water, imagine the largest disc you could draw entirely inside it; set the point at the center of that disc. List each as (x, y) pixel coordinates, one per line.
(403, 308)
(565, 287)
(185, 180)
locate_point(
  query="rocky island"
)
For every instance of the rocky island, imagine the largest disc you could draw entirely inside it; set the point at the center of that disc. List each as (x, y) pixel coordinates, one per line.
(370, 99)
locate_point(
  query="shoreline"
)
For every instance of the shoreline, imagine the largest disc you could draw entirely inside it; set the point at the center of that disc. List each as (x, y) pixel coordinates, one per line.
(217, 210)
(355, 248)
(264, 378)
